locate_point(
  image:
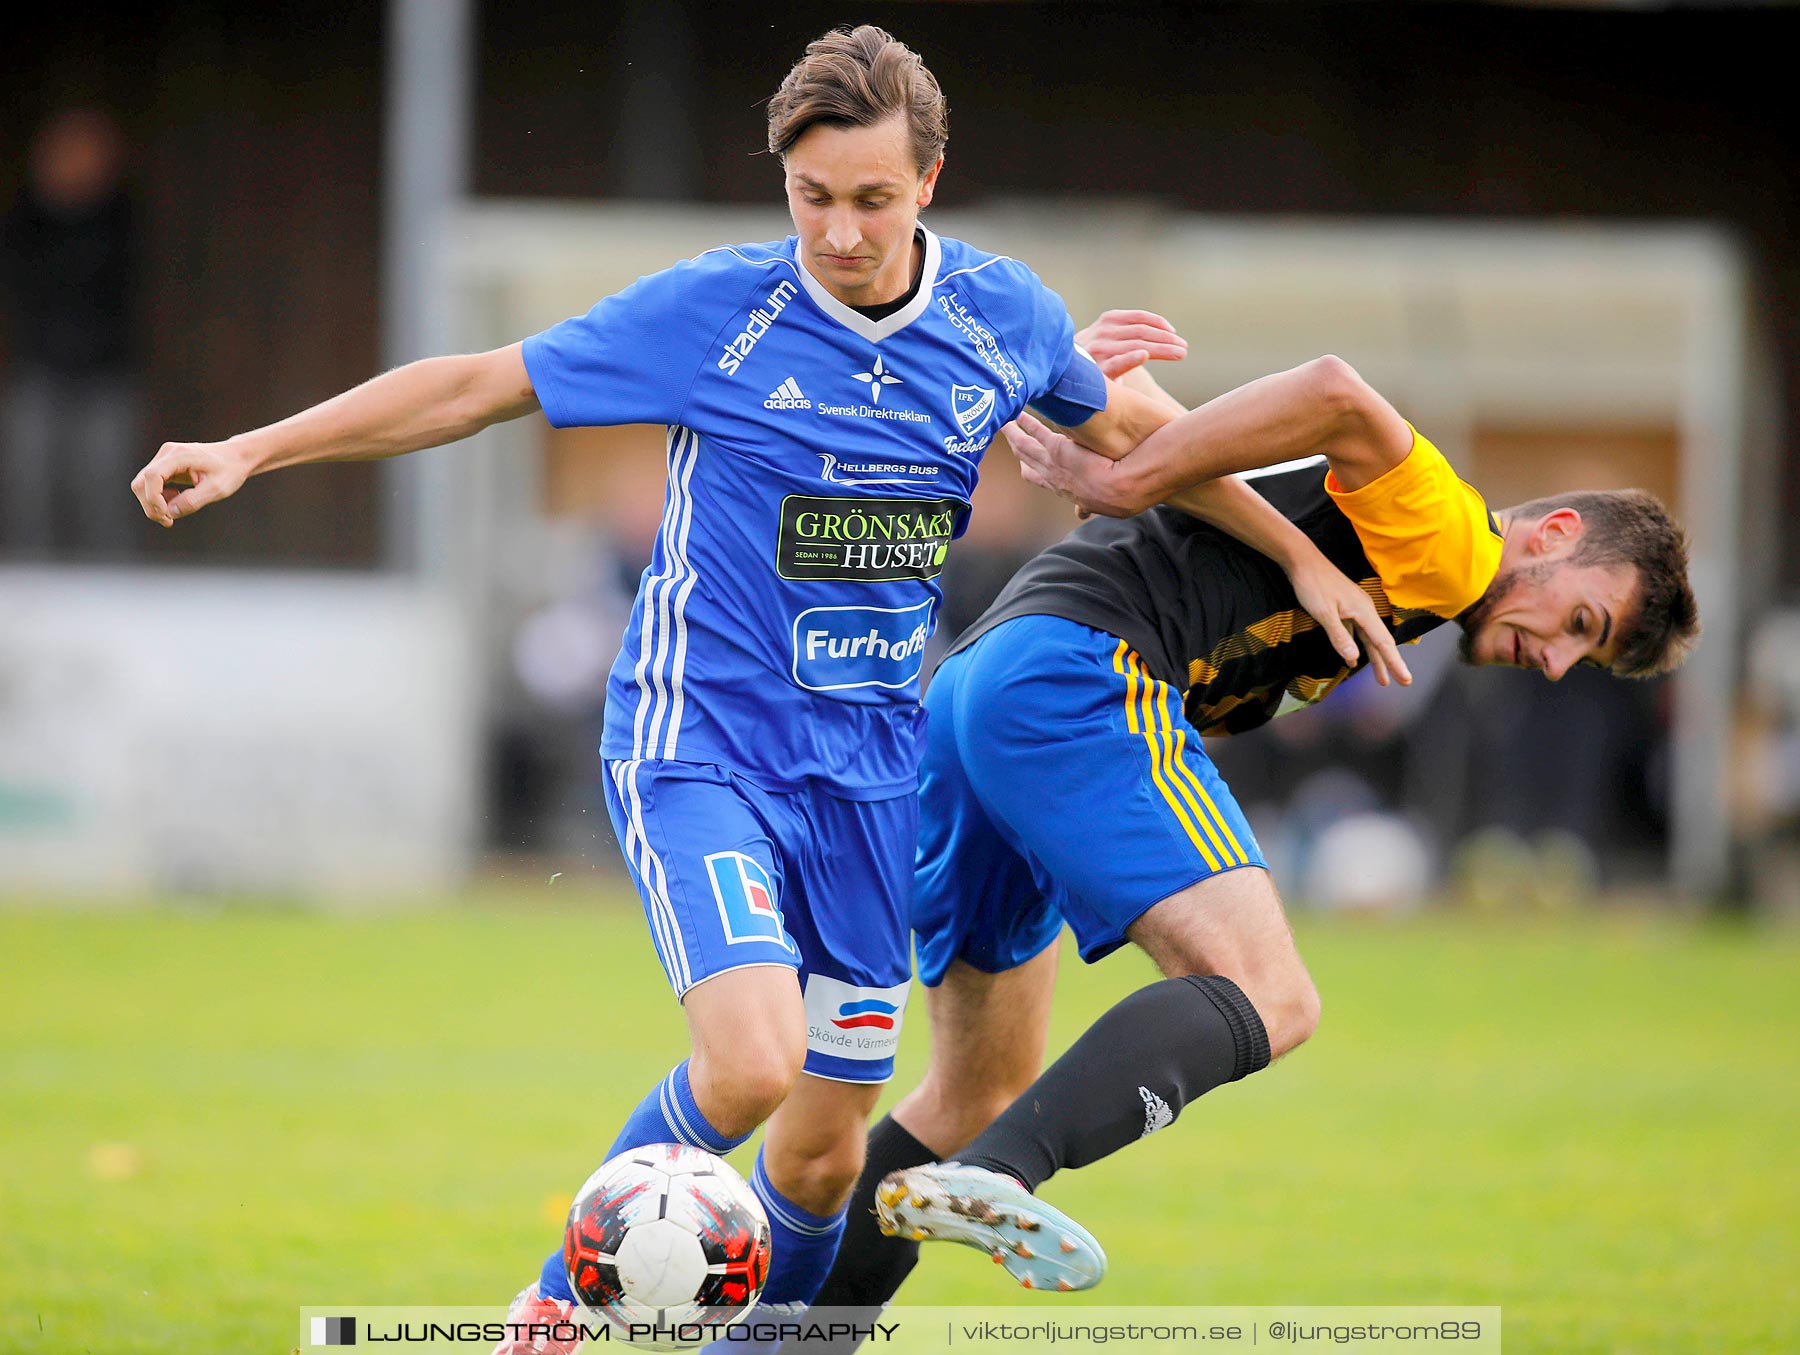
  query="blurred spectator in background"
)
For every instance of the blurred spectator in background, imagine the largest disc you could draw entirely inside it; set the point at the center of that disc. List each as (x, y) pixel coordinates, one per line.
(1506, 799)
(547, 782)
(70, 409)
(1766, 768)
(1568, 782)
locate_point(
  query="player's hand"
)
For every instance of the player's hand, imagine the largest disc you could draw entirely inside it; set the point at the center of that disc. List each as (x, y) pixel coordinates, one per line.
(1056, 462)
(1120, 341)
(183, 477)
(1340, 608)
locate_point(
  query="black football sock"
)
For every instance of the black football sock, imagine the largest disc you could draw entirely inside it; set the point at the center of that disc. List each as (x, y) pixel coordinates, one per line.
(1129, 1075)
(869, 1267)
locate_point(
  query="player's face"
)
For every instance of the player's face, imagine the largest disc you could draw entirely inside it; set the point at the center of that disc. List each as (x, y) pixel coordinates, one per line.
(1550, 616)
(855, 195)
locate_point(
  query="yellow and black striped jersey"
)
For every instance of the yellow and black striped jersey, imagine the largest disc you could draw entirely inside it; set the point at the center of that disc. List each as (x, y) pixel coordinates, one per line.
(1220, 622)
(1428, 534)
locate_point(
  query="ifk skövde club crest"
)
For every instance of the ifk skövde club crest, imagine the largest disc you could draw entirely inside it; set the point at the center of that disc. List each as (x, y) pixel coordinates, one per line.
(973, 406)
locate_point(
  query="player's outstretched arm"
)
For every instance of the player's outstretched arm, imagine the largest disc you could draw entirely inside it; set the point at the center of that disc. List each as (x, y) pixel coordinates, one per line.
(1344, 612)
(423, 404)
(1121, 342)
(1322, 406)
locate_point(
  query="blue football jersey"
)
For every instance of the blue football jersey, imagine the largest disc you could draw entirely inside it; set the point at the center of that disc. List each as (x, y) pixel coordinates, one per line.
(820, 463)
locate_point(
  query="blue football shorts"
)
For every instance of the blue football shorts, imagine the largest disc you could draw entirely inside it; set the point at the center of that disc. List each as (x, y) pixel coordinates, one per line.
(1061, 782)
(733, 874)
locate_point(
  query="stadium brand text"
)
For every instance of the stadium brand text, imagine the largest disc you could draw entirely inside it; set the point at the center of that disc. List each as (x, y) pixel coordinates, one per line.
(758, 323)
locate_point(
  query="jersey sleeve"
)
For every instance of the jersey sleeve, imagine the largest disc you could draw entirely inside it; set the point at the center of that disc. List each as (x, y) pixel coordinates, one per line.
(1429, 535)
(634, 356)
(1061, 381)
(1079, 393)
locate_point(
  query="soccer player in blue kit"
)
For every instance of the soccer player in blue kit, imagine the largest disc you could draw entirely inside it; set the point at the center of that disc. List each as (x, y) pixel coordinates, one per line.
(828, 399)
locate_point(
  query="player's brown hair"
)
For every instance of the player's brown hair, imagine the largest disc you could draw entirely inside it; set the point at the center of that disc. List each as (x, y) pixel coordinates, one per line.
(1631, 527)
(857, 77)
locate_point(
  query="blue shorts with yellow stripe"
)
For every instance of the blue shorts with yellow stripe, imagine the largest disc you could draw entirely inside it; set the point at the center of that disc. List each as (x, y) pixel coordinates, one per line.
(1061, 782)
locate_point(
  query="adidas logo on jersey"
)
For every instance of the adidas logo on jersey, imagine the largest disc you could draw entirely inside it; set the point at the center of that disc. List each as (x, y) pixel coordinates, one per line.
(787, 396)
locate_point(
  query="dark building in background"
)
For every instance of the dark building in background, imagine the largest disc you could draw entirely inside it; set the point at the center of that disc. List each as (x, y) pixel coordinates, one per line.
(258, 135)
(255, 135)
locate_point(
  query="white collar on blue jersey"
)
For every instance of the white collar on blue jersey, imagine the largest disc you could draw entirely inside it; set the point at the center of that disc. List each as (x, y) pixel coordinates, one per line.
(861, 325)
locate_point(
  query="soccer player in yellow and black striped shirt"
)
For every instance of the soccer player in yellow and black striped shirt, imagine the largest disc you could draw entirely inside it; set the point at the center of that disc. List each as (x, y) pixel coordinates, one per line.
(1065, 781)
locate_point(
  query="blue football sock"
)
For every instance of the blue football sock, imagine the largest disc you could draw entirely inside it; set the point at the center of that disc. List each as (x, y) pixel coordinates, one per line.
(804, 1245)
(669, 1114)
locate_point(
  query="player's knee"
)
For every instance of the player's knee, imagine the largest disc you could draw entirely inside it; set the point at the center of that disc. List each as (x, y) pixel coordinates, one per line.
(738, 1095)
(1292, 1015)
(816, 1165)
(766, 1077)
(822, 1179)
(1311, 1008)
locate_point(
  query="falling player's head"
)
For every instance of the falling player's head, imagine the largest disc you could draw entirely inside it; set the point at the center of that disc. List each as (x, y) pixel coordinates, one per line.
(1597, 577)
(860, 126)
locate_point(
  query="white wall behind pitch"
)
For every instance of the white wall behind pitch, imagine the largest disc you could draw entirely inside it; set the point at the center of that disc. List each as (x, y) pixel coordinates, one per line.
(222, 732)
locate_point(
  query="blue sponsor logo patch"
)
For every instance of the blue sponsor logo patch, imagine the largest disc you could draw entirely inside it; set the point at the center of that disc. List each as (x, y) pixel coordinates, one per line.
(746, 899)
(836, 648)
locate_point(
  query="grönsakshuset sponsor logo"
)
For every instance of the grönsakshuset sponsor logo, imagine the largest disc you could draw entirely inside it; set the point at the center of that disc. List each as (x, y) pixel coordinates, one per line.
(865, 539)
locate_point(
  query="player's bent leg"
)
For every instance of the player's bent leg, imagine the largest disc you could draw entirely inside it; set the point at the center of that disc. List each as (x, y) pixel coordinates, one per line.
(1129, 1075)
(987, 1043)
(748, 1032)
(804, 1174)
(1175, 844)
(1233, 926)
(697, 841)
(1166, 1045)
(748, 1029)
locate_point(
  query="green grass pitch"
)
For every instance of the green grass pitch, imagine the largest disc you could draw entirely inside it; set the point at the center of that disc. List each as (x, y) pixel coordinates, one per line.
(207, 1121)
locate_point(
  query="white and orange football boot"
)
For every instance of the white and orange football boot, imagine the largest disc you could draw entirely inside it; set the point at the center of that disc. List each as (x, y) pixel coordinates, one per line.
(532, 1324)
